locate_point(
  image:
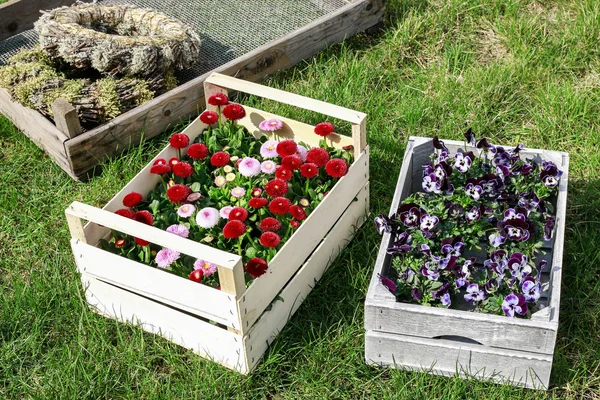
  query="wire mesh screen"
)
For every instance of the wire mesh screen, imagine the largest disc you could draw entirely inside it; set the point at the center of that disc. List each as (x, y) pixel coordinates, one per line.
(228, 28)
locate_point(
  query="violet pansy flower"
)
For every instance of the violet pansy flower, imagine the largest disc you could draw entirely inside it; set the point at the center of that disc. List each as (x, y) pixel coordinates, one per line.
(531, 290)
(462, 162)
(428, 222)
(473, 191)
(474, 293)
(431, 184)
(473, 214)
(514, 303)
(387, 282)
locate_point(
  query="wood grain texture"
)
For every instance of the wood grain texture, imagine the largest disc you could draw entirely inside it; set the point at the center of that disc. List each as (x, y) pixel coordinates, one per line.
(156, 284)
(463, 359)
(37, 128)
(272, 322)
(151, 118)
(66, 118)
(207, 340)
(17, 16)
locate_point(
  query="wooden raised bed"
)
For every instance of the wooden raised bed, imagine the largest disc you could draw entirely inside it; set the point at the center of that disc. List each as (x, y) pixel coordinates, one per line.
(449, 342)
(180, 309)
(78, 155)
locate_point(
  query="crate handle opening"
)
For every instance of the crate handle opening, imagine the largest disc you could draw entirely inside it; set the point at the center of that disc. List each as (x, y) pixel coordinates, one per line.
(456, 338)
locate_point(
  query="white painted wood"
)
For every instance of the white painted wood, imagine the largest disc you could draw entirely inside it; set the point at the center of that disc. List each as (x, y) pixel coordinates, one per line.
(284, 97)
(152, 234)
(292, 129)
(272, 322)
(306, 238)
(207, 340)
(157, 284)
(451, 358)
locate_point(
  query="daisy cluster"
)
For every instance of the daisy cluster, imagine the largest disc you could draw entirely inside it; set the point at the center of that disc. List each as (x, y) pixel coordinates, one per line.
(232, 191)
(492, 199)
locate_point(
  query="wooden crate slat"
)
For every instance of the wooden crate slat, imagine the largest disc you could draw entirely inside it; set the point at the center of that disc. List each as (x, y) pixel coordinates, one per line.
(207, 340)
(263, 290)
(88, 149)
(468, 360)
(159, 285)
(272, 322)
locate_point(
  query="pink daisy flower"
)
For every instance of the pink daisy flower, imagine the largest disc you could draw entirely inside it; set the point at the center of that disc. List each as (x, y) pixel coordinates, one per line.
(186, 210)
(224, 212)
(194, 197)
(249, 166)
(269, 149)
(238, 192)
(179, 230)
(207, 268)
(220, 180)
(166, 257)
(301, 152)
(207, 217)
(268, 167)
(270, 125)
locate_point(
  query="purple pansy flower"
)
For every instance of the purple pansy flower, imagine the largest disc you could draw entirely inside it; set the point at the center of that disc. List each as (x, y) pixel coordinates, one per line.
(470, 137)
(416, 294)
(431, 184)
(473, 191)
(401, 245)
(531, 290)
(550, 174)
(496, 239)
(474, 293)
(438, 144)
(410, 214)
(384, 224)
(455, 210)
(446, 300)
(462, 163)
(473, 214)
(428, 222)
(387, 282)
(452, 249)
(514, 303)
(491, 286)
(518, 264)
(486, 146)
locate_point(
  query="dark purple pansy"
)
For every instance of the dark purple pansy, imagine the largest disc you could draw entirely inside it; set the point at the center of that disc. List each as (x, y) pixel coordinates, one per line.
(387, 282)
(522, 169)
(491, 286)
(430, 270)
(438, 144)
(514, 303)
(531, 290)
(529, 200)
(503, 171)
(455, 211)
(517, 149)
(446, 300)
(486, 146)
(384, 224)
(436, 294)
(453, 250)
(470, 137)
(473, 191)
(401, 245)
(519, 267)
(410, 214)
(428, 222)
(462, 163)
(515, 229)
(425, 249)
(550, 174)
(427, 169)
(431, 184)
(416, 294)
(496, 239)
(473, 214)
(474, 293)
(447, 262)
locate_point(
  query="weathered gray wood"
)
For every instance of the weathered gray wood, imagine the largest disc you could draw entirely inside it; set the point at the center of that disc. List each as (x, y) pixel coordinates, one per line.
(465, 359)
(66, 118)
(151, 118)
(17, 16)
(37, 128)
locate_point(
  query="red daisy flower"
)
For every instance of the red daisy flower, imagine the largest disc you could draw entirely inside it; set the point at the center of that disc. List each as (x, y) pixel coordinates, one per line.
(348, 148)
(295, 224)
(125, 212)
(119, 242)
(276, 188)
(219, 159)
(179, 140)
(234, 229)
(132, 199)
(258, 202)
(256, 267)
(286, 148)
(218, 99)
(336, 168)
(233, 112)
(178, 193)
(291, 162)
(160, 161)
(298, 212)
(141, 242)
(173, 161)
(144, 217)
(318, 156)
(324, 129)
(238, 214)
(309, 170)
(209, 117)
(280, 205)
(198, 151)
(160, 169)
(256, 192)
(270, 239)
(183, 169)
(283, 173)
(269, 224)
(196, 275)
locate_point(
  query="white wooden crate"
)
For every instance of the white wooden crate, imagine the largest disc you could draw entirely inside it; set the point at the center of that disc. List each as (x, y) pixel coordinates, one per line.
(181, 310)
(449, 342)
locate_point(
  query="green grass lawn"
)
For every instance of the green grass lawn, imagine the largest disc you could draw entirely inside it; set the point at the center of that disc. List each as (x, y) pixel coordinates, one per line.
(514, 70)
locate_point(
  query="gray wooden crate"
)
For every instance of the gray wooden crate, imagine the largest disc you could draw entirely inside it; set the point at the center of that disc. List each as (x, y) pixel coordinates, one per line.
(458, 342)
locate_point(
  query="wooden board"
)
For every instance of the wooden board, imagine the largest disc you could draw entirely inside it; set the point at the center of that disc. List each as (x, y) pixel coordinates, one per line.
(88, 149)
(17, 16)
(455, 358)
(395, 320)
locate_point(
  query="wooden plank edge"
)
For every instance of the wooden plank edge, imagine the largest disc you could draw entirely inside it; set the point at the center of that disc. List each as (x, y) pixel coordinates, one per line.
(266, 329)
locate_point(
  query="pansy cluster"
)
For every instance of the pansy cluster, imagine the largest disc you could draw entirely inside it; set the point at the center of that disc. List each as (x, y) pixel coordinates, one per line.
(231, 191)
(471, 237)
